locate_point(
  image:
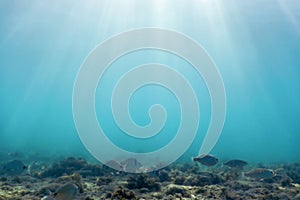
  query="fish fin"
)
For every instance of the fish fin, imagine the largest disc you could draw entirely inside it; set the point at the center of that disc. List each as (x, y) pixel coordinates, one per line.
(124, 168)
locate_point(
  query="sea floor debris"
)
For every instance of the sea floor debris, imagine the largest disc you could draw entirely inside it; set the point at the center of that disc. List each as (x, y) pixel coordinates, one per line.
(87, 181)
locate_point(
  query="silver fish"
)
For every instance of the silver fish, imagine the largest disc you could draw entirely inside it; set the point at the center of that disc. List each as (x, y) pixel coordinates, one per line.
(66, 192)
(131, 165)
(237, 164)
(260, 173)
(206, 159)
(115, 165)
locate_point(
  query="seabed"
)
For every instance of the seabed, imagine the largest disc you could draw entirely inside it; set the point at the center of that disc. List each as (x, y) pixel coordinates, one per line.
(177, 181)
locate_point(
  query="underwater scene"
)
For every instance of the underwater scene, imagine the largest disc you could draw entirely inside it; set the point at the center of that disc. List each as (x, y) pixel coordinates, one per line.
(152, 99)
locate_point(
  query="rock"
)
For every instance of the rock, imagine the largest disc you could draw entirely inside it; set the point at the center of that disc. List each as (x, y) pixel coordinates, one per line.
(232, 195)
(297, 197)
(293, 171)
(157, 195)
(121, 193)
(104, 180)
(163, 175)
(202, 180)
(143, 181)
(72, 165)
(144, 190)
(179, 180)
(176, 189)
(211, 191)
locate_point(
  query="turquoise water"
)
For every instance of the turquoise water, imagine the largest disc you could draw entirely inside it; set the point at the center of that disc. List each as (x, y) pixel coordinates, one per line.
(255, 44)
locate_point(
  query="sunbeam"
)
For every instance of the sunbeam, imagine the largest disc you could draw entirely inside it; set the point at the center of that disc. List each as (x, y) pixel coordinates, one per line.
(291, 10)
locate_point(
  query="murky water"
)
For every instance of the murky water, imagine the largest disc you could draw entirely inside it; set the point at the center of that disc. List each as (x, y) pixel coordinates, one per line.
(254, 44)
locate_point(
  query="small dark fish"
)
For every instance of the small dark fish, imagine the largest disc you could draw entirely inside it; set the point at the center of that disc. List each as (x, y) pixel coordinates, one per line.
(13, 168)
(260, 173)
(66, 192)
(207, 160)
(237, 164)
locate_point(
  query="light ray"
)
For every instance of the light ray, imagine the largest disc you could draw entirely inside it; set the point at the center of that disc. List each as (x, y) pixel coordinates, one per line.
(290, 15)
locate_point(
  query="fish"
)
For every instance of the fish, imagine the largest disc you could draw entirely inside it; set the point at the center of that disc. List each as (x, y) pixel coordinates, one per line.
(237, 164)
(260, 173)
(206, 159)
(35, 168)
(115, 165)
(66, 192)
(131, 165)
(13, 168)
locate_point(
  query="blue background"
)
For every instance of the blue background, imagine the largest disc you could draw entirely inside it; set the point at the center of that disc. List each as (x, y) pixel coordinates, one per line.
(255, 44)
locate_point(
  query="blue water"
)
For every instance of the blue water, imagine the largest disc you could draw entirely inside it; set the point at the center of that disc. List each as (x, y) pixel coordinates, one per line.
(255, 44)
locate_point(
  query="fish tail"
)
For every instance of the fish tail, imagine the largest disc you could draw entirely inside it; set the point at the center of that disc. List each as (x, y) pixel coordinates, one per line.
(242, 176)
(29, 169)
